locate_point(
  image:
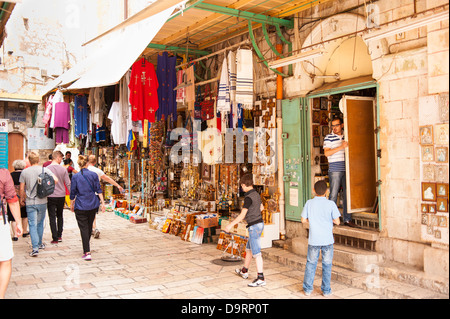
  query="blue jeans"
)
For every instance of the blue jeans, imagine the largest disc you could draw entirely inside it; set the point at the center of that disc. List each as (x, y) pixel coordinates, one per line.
(337, 179)
(254, 239)
(36, 218)
(311, 264)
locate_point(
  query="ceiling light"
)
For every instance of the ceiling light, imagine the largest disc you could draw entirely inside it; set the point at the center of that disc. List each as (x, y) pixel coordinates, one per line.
(296, 58)
(414, 23)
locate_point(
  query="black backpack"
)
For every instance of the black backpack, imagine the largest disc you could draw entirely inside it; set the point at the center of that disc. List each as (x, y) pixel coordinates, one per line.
(45, 185)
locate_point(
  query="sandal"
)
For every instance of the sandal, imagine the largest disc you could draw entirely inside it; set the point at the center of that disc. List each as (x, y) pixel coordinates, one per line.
(25, 235)
(15, 239)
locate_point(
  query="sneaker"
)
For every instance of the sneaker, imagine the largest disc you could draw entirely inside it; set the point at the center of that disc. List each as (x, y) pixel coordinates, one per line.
(54, 242)
(59, 239)
(257, 283)
(307, 293)
(327, 294)
(96, 233)
(240, 273)
(87, 257)
(34, 253)
(42, 246)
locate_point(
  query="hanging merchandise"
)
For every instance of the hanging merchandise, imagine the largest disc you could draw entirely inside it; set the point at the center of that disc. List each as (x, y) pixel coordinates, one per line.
(80, 114)
(190, 88)
(223, 98)
(62, 122)
(244, 78)
(118, 125)
(58, 97)
(198, 105)
(97, 103)
(207, 106)
(181, 92)
(167, 80)
(143, 91)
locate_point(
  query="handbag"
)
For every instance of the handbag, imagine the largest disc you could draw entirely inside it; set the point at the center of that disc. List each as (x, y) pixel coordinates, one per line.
(198, 105)
(207, 105)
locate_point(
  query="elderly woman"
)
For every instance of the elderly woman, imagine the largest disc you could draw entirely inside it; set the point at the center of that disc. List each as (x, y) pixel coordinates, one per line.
(19, 166)
(86, 197)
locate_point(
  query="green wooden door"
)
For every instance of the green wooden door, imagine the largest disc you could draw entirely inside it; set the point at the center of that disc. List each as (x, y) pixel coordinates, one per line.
(296, 154)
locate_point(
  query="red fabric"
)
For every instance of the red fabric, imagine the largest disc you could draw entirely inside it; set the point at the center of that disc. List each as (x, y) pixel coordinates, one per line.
(143, 91)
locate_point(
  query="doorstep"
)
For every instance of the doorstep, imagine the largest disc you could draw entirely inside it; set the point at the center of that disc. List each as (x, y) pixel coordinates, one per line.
(390, 280)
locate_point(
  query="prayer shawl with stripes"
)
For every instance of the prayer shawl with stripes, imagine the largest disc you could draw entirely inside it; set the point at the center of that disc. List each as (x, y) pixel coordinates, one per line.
(244, 78)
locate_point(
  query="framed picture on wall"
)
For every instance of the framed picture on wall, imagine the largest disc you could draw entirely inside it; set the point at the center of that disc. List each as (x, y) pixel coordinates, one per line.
(424, 219)
(316, 117)
(324, 118)
(316, 103)
(427, 153)
(442, 190)
(325, 130)
(429, 192)
(316, 141)
(442, 205)
(426, 135)
(441, 154)
(324, 103)
(424, 208)
(315, 130)
(432, 208)
(441, 134)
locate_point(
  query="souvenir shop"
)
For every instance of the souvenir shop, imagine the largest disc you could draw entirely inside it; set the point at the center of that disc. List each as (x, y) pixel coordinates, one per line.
(178, 144)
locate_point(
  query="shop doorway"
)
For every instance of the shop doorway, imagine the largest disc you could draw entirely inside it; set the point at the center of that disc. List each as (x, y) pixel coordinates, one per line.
(357, 107)
(15, 149)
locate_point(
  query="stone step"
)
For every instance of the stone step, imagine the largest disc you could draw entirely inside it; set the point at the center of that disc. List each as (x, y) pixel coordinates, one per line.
(361, 261)
(353, 232)
(376, 281)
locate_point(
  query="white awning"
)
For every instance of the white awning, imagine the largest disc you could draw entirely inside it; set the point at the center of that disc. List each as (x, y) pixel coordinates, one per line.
(123, 48)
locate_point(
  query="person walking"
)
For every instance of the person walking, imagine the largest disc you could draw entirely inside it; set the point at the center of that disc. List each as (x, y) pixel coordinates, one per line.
(18, 166)
(86, 197)
(334, 149)
(8, 194)
(251, 212)
(321, 214)
(36, 207)
(92, 161)
(55, 201)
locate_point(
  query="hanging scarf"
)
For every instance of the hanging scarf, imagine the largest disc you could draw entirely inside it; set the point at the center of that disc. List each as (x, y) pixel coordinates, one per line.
(223, 97)
(244, 78)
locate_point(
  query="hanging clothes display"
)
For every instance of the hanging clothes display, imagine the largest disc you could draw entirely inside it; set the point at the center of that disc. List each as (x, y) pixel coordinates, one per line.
(143, 91)
(167, 79)
(62, 122)
(244, 78)
(97, 103)
(80, 114)
(58, 97)
(181, 92)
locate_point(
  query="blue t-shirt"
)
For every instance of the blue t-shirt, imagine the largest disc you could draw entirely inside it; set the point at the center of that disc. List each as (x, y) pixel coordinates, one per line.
(320, 213)
(83, 187)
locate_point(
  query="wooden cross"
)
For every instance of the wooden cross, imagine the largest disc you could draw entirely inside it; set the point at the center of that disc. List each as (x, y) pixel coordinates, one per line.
(266, 119)
(256, 114)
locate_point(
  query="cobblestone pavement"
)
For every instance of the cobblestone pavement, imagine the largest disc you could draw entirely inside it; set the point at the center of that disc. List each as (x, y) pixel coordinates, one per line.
(131, 261)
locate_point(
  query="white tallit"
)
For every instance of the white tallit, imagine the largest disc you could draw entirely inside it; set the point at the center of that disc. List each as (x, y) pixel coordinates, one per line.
(244, 78)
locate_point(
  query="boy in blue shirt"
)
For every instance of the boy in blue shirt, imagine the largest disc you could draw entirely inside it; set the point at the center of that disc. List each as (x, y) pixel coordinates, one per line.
(321, 214)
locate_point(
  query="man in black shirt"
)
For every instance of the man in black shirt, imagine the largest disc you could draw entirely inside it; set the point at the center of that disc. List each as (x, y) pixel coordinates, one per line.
(251, 212)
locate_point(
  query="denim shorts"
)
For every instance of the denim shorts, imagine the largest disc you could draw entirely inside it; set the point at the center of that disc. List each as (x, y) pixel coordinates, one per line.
(254, 239)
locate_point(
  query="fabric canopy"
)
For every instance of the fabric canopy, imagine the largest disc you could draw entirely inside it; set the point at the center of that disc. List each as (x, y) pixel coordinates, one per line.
(122, 49)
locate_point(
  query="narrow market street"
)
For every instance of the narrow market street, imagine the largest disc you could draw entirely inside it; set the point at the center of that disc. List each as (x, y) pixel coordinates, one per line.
(131, 261)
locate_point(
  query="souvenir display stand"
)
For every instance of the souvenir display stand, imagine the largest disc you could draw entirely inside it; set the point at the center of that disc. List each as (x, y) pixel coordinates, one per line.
(219, 138)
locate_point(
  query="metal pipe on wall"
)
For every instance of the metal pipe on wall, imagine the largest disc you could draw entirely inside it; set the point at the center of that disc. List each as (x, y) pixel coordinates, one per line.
(280, 171)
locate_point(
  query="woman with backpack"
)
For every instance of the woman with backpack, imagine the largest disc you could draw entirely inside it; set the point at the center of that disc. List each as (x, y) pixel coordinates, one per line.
(86, 197)
(19, 166)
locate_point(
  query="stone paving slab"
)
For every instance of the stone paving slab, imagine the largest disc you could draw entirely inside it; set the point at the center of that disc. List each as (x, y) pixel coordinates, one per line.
(131, 261)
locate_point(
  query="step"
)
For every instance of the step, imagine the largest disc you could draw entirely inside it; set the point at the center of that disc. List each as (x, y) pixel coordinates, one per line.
(354, 259)
(375, 282)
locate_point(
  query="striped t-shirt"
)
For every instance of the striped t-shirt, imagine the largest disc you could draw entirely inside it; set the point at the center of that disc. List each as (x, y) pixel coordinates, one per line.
(337, 160)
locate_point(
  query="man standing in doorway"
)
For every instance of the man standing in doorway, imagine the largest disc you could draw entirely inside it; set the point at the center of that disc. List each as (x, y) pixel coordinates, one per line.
(334, 149)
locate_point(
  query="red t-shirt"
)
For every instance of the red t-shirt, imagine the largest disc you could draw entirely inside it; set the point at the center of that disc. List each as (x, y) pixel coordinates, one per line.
(7, 189)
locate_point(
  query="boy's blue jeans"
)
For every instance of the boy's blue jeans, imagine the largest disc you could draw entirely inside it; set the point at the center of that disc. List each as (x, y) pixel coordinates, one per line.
(311, 264)
(36, 218)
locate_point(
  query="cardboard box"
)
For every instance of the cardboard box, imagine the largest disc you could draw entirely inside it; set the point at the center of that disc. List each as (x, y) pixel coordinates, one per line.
(208, 222)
